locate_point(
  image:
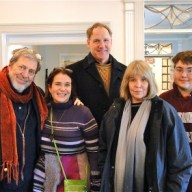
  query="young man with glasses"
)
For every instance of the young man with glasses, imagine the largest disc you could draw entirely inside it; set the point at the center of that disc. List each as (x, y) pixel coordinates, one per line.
(181, 94)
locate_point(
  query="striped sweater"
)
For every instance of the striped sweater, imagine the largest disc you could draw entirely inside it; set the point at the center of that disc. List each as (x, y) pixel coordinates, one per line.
(76, 133)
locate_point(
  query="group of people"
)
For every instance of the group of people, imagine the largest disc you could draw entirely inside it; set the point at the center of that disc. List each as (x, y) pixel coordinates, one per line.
(123, 138)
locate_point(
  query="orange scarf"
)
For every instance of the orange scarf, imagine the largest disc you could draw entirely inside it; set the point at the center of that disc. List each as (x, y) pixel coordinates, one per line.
(8, 123)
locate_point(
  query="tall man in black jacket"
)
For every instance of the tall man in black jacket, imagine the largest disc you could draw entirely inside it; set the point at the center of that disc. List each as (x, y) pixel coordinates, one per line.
(98, 76)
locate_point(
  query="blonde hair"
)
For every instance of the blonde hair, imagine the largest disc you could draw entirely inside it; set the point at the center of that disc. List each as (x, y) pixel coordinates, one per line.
(26, 52)
(142, 68)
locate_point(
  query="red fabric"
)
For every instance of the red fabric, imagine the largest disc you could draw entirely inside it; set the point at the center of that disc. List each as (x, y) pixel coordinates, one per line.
(71, 168)
(8, 122)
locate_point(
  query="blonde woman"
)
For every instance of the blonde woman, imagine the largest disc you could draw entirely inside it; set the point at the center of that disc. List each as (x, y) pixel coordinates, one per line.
(143, 144)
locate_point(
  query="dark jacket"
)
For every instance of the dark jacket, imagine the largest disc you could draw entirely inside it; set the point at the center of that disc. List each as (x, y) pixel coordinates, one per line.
(89, 85)
(183, 105)
(168, 158)
(32, 146)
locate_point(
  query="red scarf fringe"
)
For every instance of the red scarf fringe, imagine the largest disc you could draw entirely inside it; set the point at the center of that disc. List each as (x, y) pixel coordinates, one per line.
(8, 123)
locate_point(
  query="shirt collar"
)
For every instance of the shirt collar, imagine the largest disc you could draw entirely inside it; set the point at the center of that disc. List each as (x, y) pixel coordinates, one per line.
(92, 60)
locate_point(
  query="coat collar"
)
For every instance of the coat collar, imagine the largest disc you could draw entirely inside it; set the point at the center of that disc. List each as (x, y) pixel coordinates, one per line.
(91, 60)
(117, 68)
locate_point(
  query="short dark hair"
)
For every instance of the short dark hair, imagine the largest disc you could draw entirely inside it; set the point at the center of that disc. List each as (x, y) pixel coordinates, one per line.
(184, 56)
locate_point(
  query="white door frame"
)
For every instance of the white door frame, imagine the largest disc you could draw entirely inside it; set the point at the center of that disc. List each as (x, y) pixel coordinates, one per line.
(40, 34)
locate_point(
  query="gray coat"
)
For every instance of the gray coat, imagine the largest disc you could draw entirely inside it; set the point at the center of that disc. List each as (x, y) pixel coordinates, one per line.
(168, 158)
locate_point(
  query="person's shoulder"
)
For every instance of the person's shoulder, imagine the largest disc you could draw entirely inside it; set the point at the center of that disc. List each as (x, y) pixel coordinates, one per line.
(81, 109)
(123, 66)
(167, 94)
(157, 100)
(115, 110)
(82, 112)
(117, 105)
(41, 91)
(167, 105)
(119, 101)
(76, 65)
(161, 104)
(117, 63)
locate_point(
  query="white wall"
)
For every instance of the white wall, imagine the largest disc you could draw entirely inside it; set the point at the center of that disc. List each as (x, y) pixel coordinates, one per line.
(51, 55)
(63, 11)
(186, 44)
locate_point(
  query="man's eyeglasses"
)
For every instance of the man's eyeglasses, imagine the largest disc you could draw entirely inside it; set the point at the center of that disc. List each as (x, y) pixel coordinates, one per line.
(23, 68)
(181, 70)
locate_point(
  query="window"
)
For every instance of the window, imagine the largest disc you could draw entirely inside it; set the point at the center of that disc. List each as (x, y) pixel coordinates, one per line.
(166, 73)
(158, 49)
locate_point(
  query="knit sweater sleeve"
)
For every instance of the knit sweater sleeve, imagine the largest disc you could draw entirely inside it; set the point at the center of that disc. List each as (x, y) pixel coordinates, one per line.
(90, 133)
(39, 175)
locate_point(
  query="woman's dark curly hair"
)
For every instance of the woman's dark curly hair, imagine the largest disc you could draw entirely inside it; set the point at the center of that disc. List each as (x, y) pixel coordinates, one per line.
(50, 79)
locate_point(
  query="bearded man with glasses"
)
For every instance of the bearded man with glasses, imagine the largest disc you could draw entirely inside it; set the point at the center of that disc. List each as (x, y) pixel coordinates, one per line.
(181, 94)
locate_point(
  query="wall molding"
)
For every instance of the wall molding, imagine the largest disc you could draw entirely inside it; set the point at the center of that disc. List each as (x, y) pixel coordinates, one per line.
(40, 34)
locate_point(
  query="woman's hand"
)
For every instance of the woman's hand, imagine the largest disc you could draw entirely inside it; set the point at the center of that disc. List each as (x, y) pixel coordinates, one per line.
(78, 102)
